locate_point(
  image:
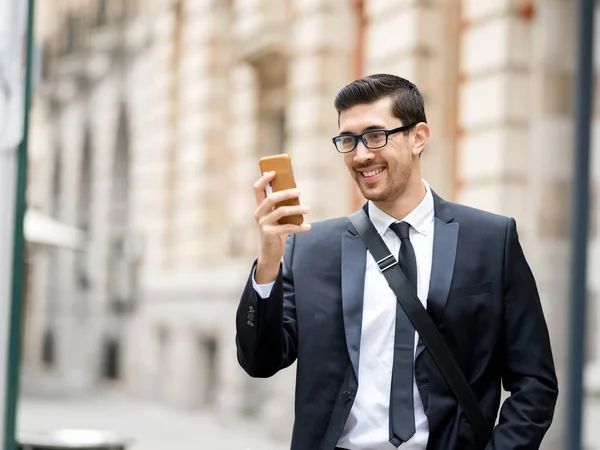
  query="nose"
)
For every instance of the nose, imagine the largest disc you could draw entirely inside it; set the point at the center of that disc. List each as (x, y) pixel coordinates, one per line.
(363, 154)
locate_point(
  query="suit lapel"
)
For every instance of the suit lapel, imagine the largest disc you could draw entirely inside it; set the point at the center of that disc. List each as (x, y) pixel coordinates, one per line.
(354, 259)
(445, 241)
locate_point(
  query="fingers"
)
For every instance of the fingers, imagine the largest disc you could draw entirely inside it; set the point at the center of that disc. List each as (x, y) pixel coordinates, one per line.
(276, 229)
(266, 206)
(261, 185)
(283, 211)
(267, 215)
(270, 219)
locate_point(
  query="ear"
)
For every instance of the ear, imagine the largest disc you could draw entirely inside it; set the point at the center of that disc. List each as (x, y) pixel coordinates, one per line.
(421, 133)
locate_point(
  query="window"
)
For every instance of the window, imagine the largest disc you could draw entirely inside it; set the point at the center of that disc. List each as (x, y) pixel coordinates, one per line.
(102, 13)
(209, 375)
(47, 53)
(272, 76)
(71, 34)
(111, 369)
(129, 8)
(48, 353)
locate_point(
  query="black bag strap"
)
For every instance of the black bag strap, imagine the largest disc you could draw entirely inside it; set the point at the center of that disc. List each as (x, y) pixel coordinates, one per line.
(422, 322)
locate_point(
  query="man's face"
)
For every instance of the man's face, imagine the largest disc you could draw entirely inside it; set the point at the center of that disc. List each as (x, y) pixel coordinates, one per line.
(381, 174)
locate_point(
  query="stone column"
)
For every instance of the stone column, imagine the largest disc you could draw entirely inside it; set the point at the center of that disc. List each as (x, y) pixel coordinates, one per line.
(258, 72)
(204, 157)
(181, 382)
(494, 108)
(551, 164)
(321, 57)
(39, 190)
(593, 343)
(514, 153)
(232, 378)
(150, 136)
(149, 81)
(104, 107)
(71, 350)
(243, 139)
(418, 41)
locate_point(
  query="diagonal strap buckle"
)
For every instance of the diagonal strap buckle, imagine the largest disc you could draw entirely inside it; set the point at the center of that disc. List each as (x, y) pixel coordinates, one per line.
(386, 263)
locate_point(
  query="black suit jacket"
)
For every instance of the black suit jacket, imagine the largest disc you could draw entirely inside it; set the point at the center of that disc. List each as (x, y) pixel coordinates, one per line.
(482, 297)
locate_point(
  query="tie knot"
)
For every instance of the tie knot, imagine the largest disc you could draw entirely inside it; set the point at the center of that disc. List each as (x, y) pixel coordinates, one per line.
(401, 229)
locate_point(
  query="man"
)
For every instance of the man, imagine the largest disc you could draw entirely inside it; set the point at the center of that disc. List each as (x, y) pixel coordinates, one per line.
(328, 306)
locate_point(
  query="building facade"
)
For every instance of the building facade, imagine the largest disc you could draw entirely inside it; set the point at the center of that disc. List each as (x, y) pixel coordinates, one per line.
(148, 120)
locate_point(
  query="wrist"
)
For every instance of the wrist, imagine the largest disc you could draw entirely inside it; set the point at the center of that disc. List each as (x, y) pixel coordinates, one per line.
(266, 271)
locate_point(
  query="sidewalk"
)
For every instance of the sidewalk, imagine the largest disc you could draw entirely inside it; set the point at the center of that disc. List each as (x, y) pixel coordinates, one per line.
(591, 423)
(154, 427)
(149, 426)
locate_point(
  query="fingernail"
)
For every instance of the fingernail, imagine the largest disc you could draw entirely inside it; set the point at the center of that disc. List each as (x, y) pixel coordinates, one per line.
(306, 209)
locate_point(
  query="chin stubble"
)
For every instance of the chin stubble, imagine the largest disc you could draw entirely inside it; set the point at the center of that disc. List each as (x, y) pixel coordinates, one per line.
(390, 192)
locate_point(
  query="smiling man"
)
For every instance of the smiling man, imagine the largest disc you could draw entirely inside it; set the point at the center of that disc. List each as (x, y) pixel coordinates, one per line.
(365, 380)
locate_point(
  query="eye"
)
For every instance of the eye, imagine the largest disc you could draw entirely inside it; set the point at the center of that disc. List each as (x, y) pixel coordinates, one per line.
(375, 137)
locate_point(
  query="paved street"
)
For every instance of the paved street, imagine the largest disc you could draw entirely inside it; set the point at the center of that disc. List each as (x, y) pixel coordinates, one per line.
(591, 426)
(150, 427)
(153, 427)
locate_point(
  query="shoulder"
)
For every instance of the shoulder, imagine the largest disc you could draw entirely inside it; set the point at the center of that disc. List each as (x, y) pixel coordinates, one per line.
(321, 243)
(478, 220)
(324, 230)
(465, 212)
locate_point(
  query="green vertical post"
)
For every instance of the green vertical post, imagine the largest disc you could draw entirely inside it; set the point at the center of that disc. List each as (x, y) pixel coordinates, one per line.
(12, 381)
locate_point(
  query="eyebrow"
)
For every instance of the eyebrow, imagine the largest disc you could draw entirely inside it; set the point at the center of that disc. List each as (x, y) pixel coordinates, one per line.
(369, 128)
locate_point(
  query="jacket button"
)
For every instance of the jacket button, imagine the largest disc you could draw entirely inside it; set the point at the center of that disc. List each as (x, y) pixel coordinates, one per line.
(347, 396)
(250, 323)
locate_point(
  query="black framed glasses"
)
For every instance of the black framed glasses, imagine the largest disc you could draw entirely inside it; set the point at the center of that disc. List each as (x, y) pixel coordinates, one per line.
(373, 139)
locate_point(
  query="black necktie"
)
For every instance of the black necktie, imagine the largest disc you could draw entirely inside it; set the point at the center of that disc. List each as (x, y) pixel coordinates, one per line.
(402, 416)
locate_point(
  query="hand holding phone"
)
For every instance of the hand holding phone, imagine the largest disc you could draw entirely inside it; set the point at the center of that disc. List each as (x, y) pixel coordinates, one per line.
(277, 215)
(284, 179)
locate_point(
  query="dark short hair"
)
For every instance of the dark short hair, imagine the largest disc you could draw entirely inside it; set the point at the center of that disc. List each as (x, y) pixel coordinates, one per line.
(408, 104)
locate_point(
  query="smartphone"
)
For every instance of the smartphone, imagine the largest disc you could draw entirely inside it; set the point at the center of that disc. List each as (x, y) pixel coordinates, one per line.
(284, 179)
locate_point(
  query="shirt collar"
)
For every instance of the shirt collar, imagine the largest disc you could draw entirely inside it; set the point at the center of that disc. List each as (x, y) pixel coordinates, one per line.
(419, 218)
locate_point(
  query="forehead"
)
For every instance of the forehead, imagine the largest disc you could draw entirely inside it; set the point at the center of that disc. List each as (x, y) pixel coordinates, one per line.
(362, 116)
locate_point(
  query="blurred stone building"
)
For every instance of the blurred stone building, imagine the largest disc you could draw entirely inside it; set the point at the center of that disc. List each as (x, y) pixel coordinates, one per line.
(148, 120)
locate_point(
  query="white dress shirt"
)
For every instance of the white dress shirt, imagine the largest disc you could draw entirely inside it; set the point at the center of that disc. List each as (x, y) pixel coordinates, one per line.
(367, 427)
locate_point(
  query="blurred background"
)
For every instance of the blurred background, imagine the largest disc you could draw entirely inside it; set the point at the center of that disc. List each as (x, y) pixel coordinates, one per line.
(148, 119)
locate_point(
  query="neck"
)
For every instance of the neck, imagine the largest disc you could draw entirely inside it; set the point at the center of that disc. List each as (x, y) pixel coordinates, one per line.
(407, 201)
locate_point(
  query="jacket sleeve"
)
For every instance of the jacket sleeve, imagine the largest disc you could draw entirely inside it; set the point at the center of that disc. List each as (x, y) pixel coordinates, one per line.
(267, 337)
(529, 373)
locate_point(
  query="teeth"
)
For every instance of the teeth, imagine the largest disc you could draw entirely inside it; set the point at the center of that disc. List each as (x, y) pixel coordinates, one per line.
(372, 173)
